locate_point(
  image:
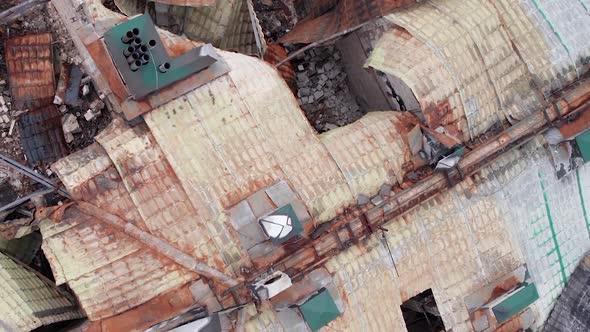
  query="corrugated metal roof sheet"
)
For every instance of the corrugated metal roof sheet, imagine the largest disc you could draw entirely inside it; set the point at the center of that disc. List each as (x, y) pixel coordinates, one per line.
(227, 24)
(274, 54)
(369, 152)
(464, 41)
(109, 272)
(27, 301)
(345, 15)
(42, 135)
(156, 191)
(30, 70)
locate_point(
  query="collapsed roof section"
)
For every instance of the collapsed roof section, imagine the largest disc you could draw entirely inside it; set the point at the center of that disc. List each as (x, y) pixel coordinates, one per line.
(332, 17)
(227, 24)
(197, 157)
(497, 70)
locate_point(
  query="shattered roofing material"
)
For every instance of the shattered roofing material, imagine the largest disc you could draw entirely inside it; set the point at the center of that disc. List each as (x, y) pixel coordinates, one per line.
(228, 24)
(402, 55)
(30, 71)
(347, 14)
(42, 135)
(27, 301)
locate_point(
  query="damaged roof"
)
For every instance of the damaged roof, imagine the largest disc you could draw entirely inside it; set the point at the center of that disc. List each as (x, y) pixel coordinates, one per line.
(232, 143)
(30, 70)
(331, 17)
(196, 158)
(227, 24)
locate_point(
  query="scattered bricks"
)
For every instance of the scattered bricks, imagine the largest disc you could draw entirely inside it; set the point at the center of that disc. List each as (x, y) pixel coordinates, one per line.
(330, 126)
(70, 124)
(69, 137)
(91, 114)
(97, 105)
(300, 68)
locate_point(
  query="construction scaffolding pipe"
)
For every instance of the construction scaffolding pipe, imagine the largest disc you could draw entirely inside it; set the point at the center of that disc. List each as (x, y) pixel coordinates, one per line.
(158, 245)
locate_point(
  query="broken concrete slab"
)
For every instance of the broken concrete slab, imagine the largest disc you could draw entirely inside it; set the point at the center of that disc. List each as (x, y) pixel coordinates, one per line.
(91, 114)
(70, 124)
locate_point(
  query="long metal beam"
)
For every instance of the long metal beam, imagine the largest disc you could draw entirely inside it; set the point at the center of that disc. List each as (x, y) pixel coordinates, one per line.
(33, 175)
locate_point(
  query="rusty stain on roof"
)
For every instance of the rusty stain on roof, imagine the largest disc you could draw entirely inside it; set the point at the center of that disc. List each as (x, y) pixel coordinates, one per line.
(221, 143)
(84, 252)
(42, 135)
(30, 70)
(345, 15)
(274, 54)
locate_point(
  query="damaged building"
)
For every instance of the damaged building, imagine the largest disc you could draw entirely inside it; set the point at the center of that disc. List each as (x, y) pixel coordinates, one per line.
(378, 166)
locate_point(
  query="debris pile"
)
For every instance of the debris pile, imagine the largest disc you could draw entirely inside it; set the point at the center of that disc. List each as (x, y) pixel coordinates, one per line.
(277, 17)
(323, 91)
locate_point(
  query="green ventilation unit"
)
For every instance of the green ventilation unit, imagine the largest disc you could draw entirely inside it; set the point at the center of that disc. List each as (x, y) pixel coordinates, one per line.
(319, 310)
(281, 224)
(144, 63)
(583, 142)
(514, 302)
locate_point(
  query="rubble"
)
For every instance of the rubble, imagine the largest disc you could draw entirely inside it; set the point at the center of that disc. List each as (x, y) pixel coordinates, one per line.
(323, 91)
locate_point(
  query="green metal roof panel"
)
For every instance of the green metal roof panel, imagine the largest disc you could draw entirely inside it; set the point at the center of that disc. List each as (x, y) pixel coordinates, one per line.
(282, 224)
(583, 142)
(319, 310)
(516, 302)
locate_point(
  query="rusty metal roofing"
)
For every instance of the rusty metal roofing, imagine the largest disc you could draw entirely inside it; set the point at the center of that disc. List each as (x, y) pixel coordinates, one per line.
(28, 300)
(227, 24)
(370, 152)
(180, 183)
(42, 135)
(467, 75)
(30, 70)
(110, 272)
(189, 3)
(345, 15)
(274, 54)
